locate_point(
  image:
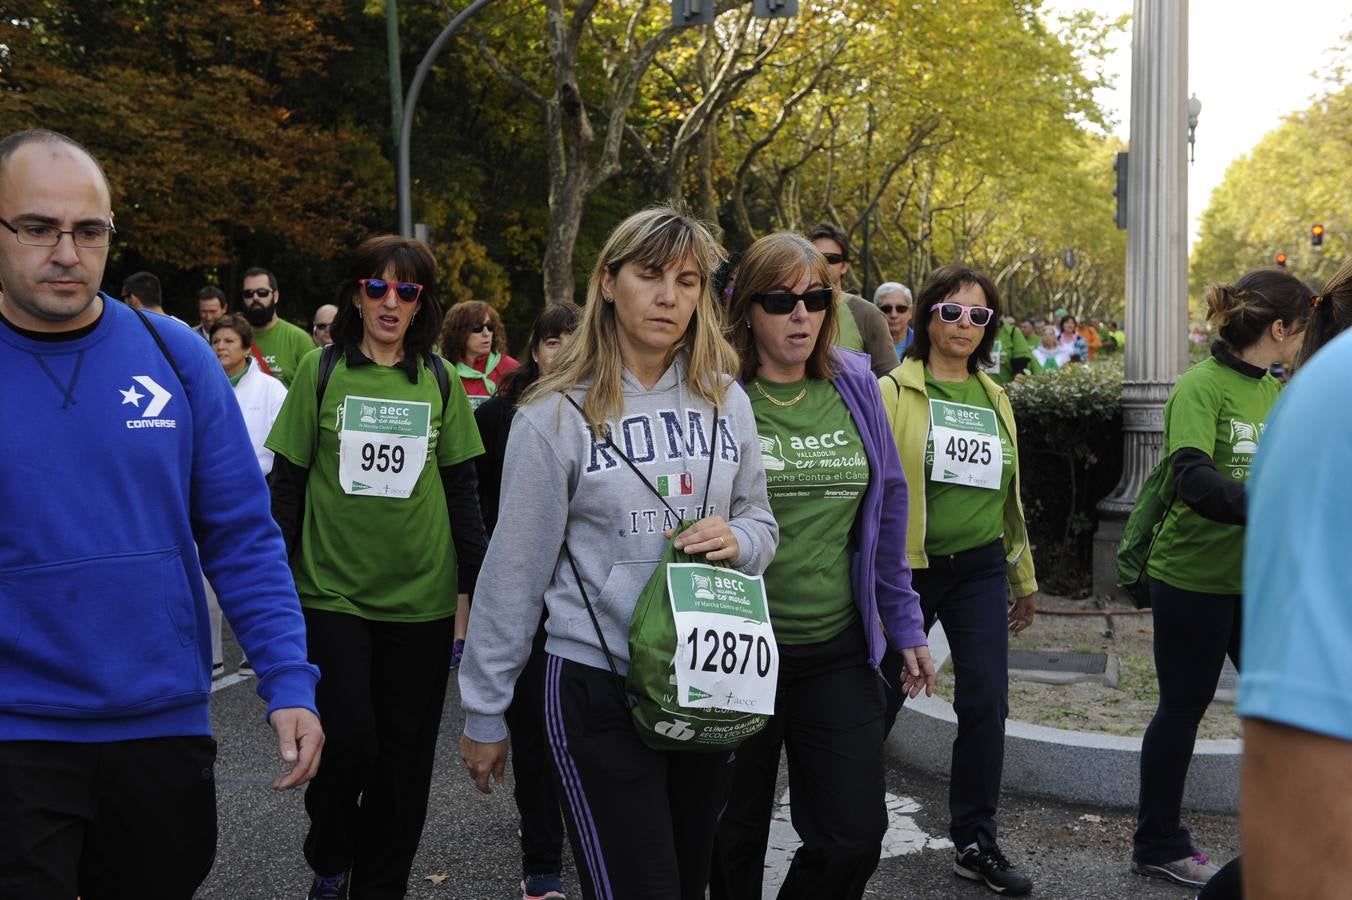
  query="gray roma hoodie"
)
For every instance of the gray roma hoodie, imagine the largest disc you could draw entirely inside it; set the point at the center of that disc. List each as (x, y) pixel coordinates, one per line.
(559, 483)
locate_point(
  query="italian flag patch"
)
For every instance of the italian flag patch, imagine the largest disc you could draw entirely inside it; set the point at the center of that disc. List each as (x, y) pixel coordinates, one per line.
(675, 485)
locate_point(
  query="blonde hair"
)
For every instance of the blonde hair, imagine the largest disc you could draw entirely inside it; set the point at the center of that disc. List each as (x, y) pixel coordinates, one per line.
(769, 262)
(655, 238)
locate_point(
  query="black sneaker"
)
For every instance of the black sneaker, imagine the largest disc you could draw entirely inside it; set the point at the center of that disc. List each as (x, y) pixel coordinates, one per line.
(328, 887)
(988, 864)
(246, 669)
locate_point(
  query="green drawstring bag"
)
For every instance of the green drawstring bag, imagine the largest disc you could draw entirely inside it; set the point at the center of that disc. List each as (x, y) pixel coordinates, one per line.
(1143, 527)
(731, 644)
(725, 648)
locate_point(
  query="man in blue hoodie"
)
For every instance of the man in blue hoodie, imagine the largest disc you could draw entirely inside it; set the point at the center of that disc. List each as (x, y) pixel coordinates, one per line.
(106, 756)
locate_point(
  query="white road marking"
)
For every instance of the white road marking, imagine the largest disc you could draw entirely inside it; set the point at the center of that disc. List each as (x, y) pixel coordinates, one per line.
(903, 836)
(226, 680)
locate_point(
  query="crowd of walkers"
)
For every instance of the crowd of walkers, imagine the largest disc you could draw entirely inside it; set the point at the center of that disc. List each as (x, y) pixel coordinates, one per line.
(421, 503)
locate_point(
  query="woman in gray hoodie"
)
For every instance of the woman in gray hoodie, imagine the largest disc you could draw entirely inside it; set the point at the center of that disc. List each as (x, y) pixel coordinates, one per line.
(649, 371)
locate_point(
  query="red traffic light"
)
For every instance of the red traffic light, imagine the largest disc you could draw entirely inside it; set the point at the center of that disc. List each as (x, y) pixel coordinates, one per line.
(1281, 260)
(1316, 235)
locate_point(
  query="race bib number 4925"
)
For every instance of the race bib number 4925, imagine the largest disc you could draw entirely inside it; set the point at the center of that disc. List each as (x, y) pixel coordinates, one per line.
(966, 445)
(726, 657)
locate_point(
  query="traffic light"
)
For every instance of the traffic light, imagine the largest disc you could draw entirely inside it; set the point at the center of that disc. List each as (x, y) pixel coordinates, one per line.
(1316, 235)
(1281, 260)
(692, 12)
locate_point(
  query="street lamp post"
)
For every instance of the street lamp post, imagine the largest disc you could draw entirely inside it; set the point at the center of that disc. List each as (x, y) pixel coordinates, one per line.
(1157, 272)
(1194, 111)
(411, 103)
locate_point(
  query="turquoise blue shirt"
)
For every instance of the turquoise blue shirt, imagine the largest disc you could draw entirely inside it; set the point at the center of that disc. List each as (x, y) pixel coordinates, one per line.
(1297, 667)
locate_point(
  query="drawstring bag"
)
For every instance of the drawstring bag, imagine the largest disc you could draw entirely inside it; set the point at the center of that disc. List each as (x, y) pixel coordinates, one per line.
(1142, 528)
(703, 663)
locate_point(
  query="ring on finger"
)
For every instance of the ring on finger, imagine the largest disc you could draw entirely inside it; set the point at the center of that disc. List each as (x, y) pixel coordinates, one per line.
(722, 541)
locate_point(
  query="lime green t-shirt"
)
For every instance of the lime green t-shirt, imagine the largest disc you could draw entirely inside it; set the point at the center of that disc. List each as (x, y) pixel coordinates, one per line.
(365, 549)
(816, 472)
(1009, 345)
(958, 516)
(282, 347)
(1223, 413)
(847, 329)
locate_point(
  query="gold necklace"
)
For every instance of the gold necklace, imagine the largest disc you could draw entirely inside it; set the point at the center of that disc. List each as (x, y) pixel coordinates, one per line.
(801, 395)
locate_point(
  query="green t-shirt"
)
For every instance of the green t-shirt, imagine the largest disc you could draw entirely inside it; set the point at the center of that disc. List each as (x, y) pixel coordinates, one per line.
(374, 553)
(961, 517)
(282, 347)
(847, 330)
(816, 472)
(1222, 413)
(1009, 345)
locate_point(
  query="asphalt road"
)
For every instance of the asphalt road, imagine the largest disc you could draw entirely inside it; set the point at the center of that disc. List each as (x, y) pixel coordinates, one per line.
(471, 839)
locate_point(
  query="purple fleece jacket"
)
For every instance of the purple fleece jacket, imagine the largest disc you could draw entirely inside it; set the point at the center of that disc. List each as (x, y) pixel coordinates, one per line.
(880, 574)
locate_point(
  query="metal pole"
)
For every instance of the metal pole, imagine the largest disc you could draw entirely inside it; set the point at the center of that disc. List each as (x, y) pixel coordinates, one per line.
(396, 77)
(1157, 257)
(411, 103)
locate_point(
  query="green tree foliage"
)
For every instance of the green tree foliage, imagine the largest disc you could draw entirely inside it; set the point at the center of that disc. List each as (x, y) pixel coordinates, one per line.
(1295, 176)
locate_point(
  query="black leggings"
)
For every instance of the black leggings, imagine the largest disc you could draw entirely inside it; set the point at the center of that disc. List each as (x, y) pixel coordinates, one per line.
(1194, 632)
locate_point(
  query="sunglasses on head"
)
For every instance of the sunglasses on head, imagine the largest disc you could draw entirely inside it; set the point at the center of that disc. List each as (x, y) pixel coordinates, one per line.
(952, 313)
(888, 308)
(834, 259)
(260, 293)
(781, 303)
(378, 288)
(481, 326)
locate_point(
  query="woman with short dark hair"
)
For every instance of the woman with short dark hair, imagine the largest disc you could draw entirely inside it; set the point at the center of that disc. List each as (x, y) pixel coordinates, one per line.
(966, 539)
(375, 494)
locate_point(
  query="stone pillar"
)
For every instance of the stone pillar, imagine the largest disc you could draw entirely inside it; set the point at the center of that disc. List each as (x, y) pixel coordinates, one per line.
(1157, 257)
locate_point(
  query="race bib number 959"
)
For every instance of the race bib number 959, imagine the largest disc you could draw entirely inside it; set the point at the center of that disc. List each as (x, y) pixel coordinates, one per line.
(382, 445)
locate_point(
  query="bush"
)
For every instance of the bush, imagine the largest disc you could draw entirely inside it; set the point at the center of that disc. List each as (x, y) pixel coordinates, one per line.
(1070, 452)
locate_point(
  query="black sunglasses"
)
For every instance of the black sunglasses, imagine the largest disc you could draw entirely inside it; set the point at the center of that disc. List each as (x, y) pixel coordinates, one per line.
(377, 288)
(480, 327)
(888, 308)
(781, 303)
(834, 259)
(260, 293)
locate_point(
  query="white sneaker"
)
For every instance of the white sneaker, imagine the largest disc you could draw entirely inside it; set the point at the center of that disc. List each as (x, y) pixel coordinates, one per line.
(1194, 871)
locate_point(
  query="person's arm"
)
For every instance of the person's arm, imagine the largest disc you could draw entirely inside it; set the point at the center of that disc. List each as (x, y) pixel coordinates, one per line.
(1206, 491)
(494, 420)
(467, 528)
(517, 570)
(1295, 814)
(288, 499)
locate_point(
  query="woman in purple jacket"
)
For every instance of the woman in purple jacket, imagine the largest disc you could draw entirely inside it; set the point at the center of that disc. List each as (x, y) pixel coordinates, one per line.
(838, 595)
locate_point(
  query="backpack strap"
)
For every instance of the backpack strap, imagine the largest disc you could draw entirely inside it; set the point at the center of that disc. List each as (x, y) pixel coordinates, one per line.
(159, 342)
(438, 369)
(894, 381)
(328, 361)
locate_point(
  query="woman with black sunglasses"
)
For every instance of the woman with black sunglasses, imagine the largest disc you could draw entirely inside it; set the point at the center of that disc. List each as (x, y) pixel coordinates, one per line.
(966, 539)
(838, 592)
(473, 338)
(375, 491)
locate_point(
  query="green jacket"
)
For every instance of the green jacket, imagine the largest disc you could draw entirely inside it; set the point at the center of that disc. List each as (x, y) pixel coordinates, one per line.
(907, 407)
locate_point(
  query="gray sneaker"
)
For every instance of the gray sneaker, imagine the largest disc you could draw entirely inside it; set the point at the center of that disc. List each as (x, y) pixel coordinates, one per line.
(1194, 871)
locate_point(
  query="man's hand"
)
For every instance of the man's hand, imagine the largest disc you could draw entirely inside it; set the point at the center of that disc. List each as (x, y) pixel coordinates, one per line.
(299, 739)
(483, 760)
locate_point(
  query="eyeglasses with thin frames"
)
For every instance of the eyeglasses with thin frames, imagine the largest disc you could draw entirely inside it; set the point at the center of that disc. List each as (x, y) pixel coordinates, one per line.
(92, 236)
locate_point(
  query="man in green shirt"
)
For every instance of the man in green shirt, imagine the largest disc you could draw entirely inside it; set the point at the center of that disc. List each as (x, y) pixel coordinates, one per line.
(865, 328)
(1010, 354)
(280, 343)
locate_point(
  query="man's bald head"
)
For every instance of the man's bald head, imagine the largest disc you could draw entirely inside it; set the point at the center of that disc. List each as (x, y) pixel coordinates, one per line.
(58, 141)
